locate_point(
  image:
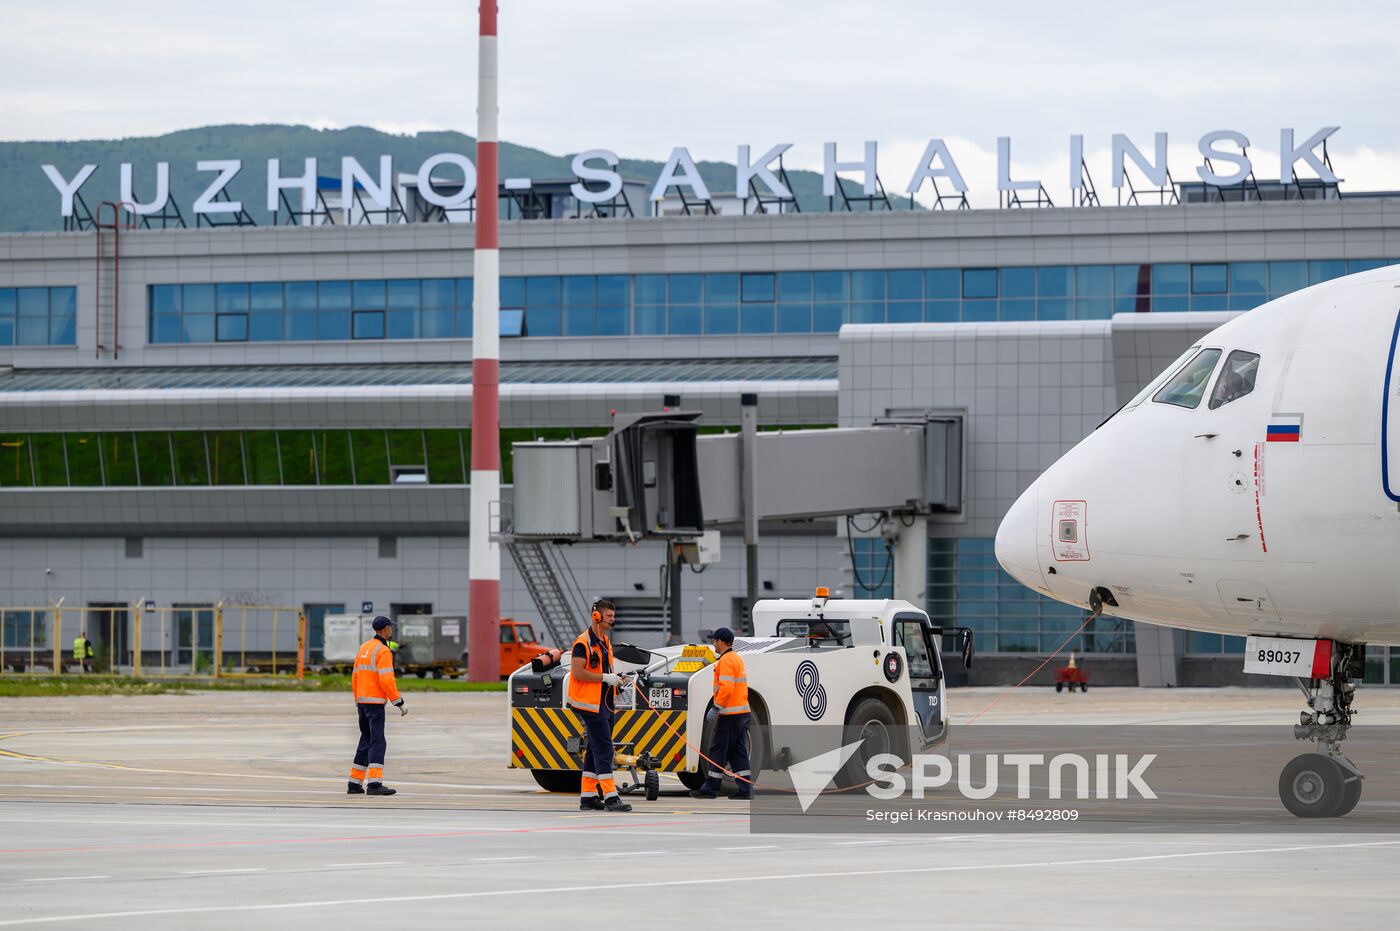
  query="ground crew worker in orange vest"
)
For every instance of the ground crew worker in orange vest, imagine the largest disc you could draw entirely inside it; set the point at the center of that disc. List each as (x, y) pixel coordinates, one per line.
(730, 746)
(592, 685)
(373, 685)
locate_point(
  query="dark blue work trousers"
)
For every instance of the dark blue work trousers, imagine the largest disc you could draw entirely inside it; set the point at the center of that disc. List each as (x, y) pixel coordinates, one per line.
(598, 754)
(730, 749)
(370, 752)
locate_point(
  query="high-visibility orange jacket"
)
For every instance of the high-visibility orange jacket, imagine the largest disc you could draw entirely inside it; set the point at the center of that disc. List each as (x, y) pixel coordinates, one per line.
(731, 684)
(373, 678)
(598, 655)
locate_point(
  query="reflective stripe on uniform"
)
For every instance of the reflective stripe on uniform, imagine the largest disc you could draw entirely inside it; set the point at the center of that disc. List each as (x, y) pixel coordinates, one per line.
(583, 705)
(735, 709)
(387, 669)
(734, 678)
(370, 701)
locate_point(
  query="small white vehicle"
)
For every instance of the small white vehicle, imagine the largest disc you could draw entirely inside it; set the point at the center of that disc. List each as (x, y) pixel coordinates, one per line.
(872, 666)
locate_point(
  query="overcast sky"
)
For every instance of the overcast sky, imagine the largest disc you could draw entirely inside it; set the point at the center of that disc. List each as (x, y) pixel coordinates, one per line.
(641, 76)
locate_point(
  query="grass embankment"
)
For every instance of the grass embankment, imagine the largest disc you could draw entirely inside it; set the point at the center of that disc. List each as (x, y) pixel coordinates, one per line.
(21, 686)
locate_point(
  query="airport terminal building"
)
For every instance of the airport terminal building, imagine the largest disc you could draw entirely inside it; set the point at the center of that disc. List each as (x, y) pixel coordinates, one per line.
(281, 414)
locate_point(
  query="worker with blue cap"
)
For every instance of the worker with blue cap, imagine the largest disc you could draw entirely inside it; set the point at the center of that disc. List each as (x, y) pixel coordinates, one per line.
(730, 746)
(372, 682)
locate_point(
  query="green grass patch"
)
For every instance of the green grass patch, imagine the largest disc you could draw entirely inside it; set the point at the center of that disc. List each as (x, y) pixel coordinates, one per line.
(35, 686)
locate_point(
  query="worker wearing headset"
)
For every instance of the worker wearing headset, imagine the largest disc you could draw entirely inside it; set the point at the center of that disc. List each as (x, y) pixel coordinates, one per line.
(592, 688)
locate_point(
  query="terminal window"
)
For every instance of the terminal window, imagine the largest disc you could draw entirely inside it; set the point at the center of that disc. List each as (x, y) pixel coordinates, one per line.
(38, 316)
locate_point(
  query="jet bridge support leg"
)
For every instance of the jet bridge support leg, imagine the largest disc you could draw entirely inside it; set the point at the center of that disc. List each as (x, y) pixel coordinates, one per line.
(911, 559)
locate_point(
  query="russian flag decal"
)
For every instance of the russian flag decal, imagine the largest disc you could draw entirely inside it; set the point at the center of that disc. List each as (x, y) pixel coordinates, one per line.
(1285, 428)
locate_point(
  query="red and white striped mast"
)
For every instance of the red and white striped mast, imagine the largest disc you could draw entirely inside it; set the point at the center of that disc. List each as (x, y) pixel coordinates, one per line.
(483, 639)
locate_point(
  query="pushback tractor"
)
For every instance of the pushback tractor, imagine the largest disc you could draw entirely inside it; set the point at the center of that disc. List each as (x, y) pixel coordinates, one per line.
(872, 666)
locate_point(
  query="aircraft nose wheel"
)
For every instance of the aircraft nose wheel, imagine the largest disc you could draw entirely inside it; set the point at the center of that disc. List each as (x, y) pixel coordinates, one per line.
(1314, 785)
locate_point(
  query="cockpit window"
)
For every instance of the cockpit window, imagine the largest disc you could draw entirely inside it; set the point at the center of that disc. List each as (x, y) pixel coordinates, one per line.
(1188, 386)
(1156, 383)
(1236, 378)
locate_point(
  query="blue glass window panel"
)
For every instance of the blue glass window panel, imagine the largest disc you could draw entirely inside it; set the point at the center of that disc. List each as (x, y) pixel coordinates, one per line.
(830, 286)
(512, 322)
(612, 321)
(721, 318)
(580, 291)
(7, 303)
(1054, 281)
(649, 320)
(1126, 279)
(613, 290)
(757, 288)
(794, 318)
(1198, 642)
(1127, 305)
(943, 282)
(512, 292)
(1209, 279)
(301, 295)
(1093, 308)
(265, 327)
(1246, 301)
(685, 289)
(405, 294)
(1174, 278)
(1285, 277)
(197, 328)
(301, 326)
(1363, 265)
(651, 289)
(334, 295)
(197, 298)
(165, 299)
(63, 302)
(1325, 270)
(827, 318)
(441, 293)
(1052, 308)
(683, 319)
(439, 324)
(369, 324)
(33, 302)
(942, 311)
(979, 311)
(1170, 305)
(1018, 282)
(904, 312)
(63, 331)
(7, 331)
(905, 285)
(539, 321)
(540, 291)
(368, 295)
(34, 331)
(465, 294)
(265, 295)
(1249, 277)
(1210, 302)
(232, 328)
(333, 324)
(464, 321)
(979, 282)
(1093, 281)
(721, 289)
(1235, 644)
(165, 330)
(867, 311)
(402, 324)
(579, 321)
(1016, 309)
(756, 318)
(868, 286)
(231, 297)
(795, 286)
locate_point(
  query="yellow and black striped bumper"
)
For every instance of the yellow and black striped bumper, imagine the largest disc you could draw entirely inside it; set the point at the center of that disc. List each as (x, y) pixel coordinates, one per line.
(552, 738)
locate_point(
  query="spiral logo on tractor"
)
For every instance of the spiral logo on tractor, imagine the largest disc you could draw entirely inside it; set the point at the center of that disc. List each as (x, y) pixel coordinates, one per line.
(809, 686)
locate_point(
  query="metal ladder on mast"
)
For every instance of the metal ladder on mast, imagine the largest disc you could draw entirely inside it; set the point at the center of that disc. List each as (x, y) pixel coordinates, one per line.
(107, 286)
(552, 586)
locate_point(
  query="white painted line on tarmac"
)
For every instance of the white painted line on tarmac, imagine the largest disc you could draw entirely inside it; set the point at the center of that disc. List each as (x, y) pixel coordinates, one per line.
(498, 859)
(672, 883)
(346, 866)
(632, 853)
(751, 847)
(858, 843)
(246, 869)
(62, 879)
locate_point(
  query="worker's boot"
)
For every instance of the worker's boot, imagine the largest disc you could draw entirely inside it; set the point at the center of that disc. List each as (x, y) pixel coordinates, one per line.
(590, 803)
(378, 788)
(703, 792)
(354, 788)
(614, 803)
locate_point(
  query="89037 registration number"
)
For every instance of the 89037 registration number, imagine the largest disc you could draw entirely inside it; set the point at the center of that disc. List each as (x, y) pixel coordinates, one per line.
(1285, 656)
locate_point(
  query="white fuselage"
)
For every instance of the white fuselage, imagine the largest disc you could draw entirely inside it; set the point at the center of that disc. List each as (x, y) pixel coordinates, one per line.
(1193, 517)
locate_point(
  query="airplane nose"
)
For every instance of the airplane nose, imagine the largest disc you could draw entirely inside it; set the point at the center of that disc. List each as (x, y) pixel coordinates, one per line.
(1017, 540)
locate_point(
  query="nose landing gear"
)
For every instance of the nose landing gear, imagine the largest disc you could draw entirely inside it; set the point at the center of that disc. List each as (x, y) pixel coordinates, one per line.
(1325, 783)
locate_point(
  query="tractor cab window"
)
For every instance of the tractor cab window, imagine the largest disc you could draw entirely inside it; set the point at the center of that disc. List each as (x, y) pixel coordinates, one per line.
(911, 635)
(1188, 386)
(1236, 378)
(525, 633)
(816, 630)
(507, 634)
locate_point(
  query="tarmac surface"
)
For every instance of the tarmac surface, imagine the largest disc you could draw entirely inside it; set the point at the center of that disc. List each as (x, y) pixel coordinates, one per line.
(217, 810)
